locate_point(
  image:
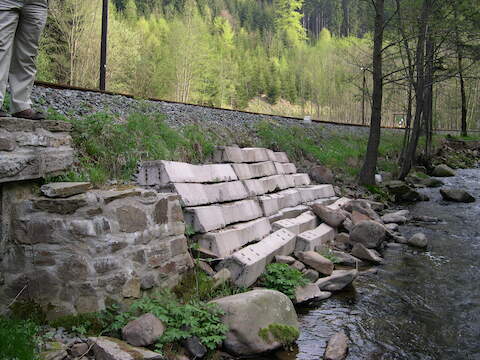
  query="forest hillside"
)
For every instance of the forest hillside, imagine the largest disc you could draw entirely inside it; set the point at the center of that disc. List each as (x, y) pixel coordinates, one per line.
(284, 57)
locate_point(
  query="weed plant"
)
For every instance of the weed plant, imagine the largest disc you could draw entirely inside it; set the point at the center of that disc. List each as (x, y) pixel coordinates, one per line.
(283, 278)
(18, 339)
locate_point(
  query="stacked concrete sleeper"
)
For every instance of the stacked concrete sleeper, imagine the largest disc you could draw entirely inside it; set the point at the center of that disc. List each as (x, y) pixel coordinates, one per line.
(248, 207)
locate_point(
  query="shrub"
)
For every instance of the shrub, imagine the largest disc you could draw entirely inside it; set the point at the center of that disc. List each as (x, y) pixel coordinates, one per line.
(17, 339)
(283, 278)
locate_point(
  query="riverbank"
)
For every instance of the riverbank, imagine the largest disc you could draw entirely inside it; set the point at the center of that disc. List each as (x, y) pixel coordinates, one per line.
(123, 142)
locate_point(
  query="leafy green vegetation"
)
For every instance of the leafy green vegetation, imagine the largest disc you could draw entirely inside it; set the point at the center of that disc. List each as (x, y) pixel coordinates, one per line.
(110, 148)
(328, 254)
(17, 339)
(195, 318)
(283, 278)
(197, 285)
(284, 334)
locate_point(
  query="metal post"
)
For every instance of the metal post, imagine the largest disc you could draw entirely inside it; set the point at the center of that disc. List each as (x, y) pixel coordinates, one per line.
(103, 49)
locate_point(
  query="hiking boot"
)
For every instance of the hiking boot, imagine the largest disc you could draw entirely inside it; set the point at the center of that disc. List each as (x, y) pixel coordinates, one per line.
(4, 114)
(30, 115)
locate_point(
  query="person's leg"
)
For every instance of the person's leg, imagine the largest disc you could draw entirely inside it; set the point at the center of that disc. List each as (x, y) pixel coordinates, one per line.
(8, 25)
(33, 17)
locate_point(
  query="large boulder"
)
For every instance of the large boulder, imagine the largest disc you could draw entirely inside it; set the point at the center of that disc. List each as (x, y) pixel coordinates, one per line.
(316, 261)
(363, 253)
(443, 171)
(248, 313)
(368, 233)
(345, 259)
(332, 217)
(432, 182)
(337, 347)
(310, 292)
(337, 281)
(321, 175)
(457, 195)
(418, 240)
(143, 331)
(395, 218)
(362, 206)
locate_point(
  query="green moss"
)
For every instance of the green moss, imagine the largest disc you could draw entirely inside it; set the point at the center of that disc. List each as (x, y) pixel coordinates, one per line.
(284, 334)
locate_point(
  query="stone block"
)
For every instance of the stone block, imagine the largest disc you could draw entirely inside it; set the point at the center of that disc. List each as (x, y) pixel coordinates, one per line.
(64, 189)
(25, 164)
(163, 172)
(304, 222)
(340, 203)
(214, 217)
(288, 213)
(315, 239)
(268, 184)
(224, 242)
(39, 230)
(285, 168)
(314, 192)
(15, 124)
(42, 138)
(279, 157)
(231, 154)
(131, 218)
(7, 141)
(60, 206)
(254, 170)
(247, 264)
(273, 203)
(301, 179)
(109, 196)
(203, 194)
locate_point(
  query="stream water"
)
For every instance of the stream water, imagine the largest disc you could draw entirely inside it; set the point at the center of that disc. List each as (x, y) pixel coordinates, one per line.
(419, 305)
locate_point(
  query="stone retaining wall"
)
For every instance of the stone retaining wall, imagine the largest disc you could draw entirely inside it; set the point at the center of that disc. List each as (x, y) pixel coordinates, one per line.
(33, 149)
(78, 253)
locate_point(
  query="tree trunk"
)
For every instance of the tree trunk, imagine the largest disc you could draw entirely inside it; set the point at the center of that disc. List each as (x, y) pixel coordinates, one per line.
(419, 90)
(462, 92)
(367, 174)
(464, 131)
(428, 106)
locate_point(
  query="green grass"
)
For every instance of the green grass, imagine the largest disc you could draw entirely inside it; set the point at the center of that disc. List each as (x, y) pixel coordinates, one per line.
(339, 152)
(109, 148)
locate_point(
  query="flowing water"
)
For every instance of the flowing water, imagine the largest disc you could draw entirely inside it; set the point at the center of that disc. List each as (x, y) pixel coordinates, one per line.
(419, 305)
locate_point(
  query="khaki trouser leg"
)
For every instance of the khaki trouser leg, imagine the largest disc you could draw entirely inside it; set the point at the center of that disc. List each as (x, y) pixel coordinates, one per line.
(8, 27)
(23, 69)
